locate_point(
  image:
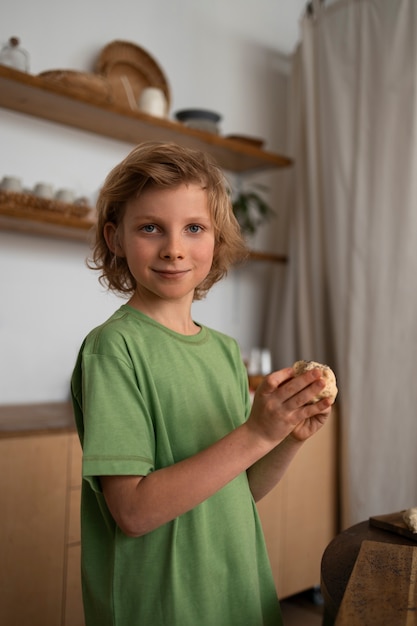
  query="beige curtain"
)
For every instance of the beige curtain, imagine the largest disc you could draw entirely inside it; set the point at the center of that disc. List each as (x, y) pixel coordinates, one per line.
(351, 295)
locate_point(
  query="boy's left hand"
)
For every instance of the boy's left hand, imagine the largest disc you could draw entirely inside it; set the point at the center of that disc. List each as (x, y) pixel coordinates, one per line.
(311, 425)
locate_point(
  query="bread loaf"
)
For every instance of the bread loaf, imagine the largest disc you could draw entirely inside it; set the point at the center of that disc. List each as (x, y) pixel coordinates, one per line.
(410, 519)
(330, 390)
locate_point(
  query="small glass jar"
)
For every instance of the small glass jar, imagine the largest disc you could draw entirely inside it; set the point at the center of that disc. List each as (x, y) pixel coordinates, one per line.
(14, 56)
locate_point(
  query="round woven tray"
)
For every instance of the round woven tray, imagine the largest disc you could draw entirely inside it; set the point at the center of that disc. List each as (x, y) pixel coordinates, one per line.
(84, 84)
(129, 69)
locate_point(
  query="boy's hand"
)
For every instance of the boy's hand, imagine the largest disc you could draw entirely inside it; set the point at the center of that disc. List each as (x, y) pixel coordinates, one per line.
(283, 405)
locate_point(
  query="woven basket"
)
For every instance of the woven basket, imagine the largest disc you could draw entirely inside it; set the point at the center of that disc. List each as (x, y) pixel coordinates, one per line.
(80, 84)
(129, 69)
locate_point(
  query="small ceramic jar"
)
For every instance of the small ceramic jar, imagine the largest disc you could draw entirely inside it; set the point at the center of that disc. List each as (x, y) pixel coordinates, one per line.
(152, 100)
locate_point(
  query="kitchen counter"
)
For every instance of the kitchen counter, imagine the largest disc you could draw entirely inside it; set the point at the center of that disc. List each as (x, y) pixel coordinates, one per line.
(26, 419)
(40, 486)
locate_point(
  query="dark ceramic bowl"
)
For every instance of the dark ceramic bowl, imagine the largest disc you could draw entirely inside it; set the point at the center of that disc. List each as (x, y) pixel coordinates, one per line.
(186, 115)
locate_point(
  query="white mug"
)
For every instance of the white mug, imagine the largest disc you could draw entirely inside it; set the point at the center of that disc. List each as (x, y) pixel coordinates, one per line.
(43, 190)
(11, 183)
(152, 101)
(65, 195)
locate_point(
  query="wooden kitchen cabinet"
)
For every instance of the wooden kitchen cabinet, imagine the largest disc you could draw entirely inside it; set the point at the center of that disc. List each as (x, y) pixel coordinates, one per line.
(40, 487)
(33, 503)
(73, 606)
(299, 516)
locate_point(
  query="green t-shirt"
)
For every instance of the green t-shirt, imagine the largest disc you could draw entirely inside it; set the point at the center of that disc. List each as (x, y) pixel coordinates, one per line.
(146, 397)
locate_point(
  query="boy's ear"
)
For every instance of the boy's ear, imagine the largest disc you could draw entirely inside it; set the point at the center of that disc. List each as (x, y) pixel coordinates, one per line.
(112, 239)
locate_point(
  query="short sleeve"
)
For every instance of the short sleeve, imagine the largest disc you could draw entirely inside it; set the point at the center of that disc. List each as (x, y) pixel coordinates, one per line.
(118, 431)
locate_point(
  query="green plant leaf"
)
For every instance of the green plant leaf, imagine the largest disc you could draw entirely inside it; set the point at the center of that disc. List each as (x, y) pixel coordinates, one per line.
(251, 209)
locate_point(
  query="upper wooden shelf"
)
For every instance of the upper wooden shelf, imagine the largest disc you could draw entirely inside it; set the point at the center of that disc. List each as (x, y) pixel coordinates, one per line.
(33, 95)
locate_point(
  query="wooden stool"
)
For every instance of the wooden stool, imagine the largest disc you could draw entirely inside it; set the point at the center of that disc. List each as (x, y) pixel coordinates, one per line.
(339, 559)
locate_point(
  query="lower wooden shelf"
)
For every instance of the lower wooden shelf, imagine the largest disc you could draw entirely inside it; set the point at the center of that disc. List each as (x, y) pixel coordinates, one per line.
(27, 213)
(35, 221)
(66, 225)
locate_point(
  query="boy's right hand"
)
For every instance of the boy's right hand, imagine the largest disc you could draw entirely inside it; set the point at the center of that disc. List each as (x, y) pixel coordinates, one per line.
(283, 404)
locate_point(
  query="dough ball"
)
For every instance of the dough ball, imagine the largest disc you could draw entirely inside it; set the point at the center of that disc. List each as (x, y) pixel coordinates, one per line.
(330, 390)
(410, 519)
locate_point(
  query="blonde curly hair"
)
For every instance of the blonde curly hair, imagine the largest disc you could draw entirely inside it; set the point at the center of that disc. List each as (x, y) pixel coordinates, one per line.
(165, 166)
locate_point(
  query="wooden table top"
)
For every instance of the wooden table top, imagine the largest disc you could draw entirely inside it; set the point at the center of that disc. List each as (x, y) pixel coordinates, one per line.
(340, 557)
(29, 419)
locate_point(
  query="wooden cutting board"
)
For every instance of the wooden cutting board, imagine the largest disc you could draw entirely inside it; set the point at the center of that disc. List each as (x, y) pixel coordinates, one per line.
(382, 589)
(394, 523)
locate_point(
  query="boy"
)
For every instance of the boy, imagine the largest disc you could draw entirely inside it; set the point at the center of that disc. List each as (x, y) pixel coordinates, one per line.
(174, 455)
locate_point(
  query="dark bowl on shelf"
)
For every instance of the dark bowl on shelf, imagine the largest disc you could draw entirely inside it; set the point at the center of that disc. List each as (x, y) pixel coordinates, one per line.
(200, 119)
(197, 114)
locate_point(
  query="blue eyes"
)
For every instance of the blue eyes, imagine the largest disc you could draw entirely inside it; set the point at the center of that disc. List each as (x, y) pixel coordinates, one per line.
(194, 228)
(152, 228)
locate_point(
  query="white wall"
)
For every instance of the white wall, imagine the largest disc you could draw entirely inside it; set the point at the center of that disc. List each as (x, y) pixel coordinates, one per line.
(49, 299)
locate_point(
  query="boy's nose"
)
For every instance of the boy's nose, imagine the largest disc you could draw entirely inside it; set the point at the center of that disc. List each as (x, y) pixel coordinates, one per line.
(173, 248)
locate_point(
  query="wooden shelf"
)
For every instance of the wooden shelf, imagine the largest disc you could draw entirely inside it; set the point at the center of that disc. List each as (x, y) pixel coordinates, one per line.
(44, 222)
(34, 95)
(66, 226)
(268, 256)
